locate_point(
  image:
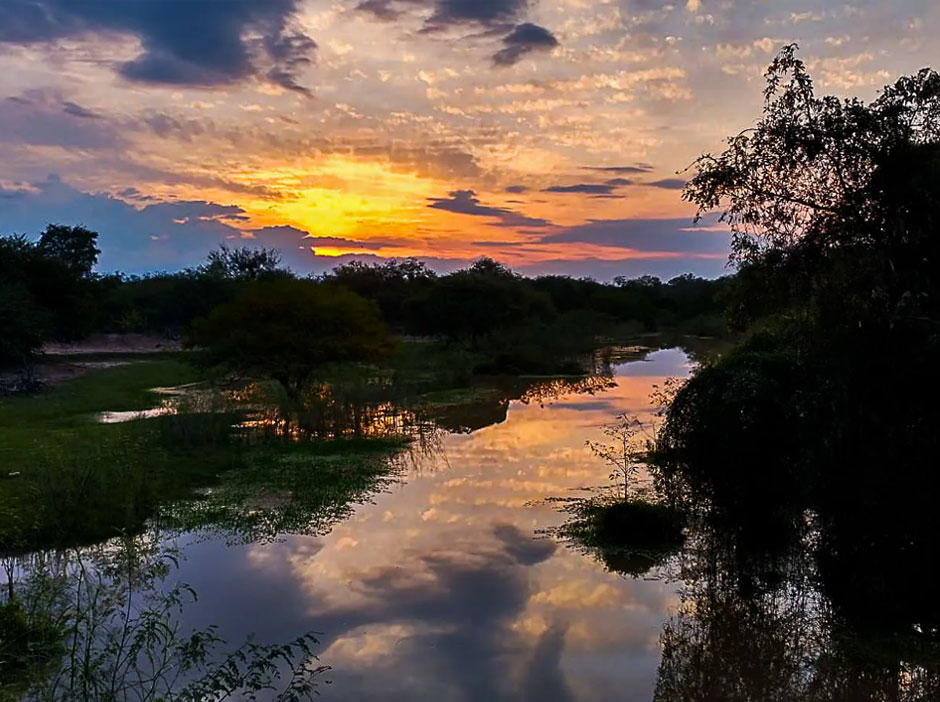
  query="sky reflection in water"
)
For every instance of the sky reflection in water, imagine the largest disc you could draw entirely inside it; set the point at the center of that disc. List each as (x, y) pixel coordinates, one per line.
(442, 590)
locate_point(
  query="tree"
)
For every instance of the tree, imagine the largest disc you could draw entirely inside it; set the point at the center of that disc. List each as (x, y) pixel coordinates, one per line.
(42, 297)
(23, 325)
(243, 263)
(75, 245)
(478, 300)
(833, 204)
(626, 453)
(286, 329)
(389, 283)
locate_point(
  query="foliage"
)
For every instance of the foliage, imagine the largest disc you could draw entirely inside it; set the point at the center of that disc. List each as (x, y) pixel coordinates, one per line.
(24, 325)
(824, 194)
(42, 297)
(629, 536)
(390, 283)
(476, 301)
(118, 622)
(806, 457)
(75, 246)
(243, 264)
(29, 639)
(287, 329)
(630, 440)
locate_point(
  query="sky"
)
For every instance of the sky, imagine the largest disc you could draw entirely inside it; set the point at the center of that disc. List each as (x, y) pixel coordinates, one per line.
(552, 135)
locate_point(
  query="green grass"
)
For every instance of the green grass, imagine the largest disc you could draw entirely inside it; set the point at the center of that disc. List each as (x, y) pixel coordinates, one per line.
(61, 422)
(296, 490)
(119, 388)
(66, 479)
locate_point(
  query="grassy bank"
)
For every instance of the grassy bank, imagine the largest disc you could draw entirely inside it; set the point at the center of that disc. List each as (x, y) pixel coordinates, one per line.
(67, 479)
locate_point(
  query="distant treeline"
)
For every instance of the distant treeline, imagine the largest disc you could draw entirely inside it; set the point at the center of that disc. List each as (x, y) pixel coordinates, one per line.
(49, 292)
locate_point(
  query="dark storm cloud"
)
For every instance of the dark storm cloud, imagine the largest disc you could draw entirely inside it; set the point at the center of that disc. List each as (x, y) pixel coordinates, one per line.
(668, 184)
(544, 678)
(198, 42)
(286, 237)
(291, 52)
(522, 40)
(485, 12)
(493, 14)
(526, 549)
(381, 9)
(586, 188)
(466, 202)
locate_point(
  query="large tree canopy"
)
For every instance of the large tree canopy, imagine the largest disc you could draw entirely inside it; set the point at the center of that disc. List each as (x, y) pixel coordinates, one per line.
(825, 194)
(76, 246)
(42, 297)
(286, 329)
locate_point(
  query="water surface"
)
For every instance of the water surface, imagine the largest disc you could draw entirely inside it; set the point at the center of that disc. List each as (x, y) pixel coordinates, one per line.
(445, 587)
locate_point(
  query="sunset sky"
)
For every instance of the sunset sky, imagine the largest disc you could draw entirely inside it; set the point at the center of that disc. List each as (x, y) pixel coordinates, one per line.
(549, 134)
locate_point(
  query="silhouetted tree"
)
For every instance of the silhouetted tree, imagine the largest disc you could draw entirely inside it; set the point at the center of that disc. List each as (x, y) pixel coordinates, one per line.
(75, 245)
(42, 297)
(478, 300)
(243, 263)
(287, 329)
(389, 283)
(833, 203)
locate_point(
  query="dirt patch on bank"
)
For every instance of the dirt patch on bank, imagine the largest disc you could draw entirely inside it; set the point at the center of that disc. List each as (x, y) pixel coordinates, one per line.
(113, 344)
(62, 362)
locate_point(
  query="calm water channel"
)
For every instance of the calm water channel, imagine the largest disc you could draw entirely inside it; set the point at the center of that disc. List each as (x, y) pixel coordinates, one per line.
(444, 588)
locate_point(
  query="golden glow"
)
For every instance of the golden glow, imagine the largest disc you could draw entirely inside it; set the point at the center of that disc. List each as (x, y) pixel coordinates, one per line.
(341, 197)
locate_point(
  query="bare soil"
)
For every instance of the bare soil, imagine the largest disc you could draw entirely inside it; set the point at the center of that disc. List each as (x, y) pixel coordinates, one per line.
(114, 344)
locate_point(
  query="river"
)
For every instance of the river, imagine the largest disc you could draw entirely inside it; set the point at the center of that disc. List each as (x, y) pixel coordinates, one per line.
(445, 586)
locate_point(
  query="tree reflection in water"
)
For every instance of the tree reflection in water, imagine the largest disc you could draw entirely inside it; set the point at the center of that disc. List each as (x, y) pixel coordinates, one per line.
(339, 446)
(793, 619)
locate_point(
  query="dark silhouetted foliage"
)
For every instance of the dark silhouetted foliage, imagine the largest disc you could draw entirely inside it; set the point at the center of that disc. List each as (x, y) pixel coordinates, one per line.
(76, 246)
(476, 301)
(41, 298)
(243, 264)
(286, 329)
(390, 283)
(808, 455)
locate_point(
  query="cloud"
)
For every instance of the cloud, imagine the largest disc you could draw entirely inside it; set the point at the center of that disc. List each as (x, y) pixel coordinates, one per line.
(619, 181)
(484, 12)
(516, 189)
(639, 168)
(165, 235)
(449, 13)
(76, 110)
(42, 118)
(668, 184)
(588, 188)
(650, 235)
(291, 240)
(466, 202)
(522, 40)
(198, 43)
(526, 549)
